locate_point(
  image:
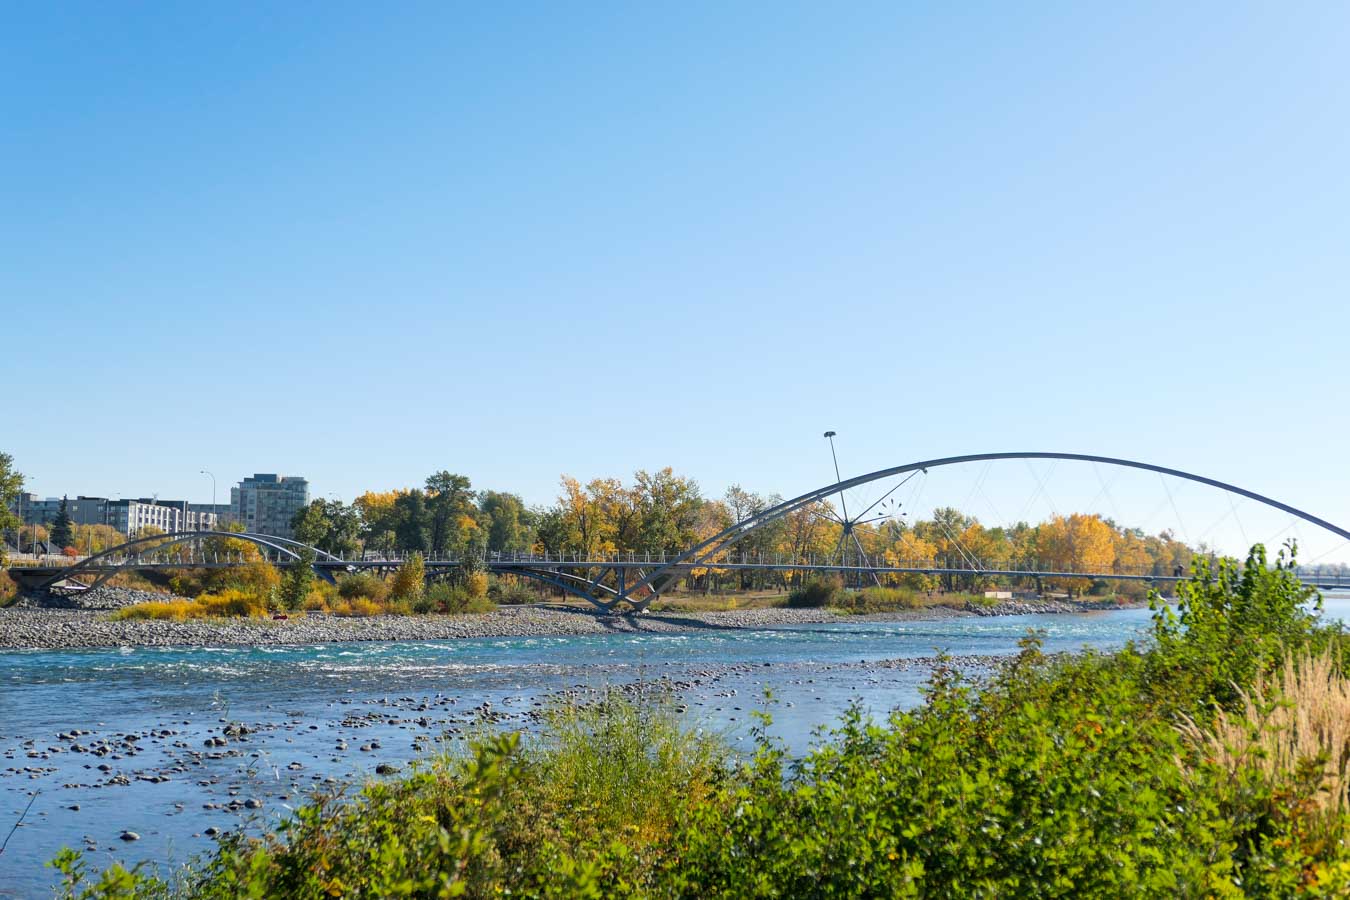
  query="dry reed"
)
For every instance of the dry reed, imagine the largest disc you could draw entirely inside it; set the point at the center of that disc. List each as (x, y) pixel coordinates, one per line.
(1298, 716)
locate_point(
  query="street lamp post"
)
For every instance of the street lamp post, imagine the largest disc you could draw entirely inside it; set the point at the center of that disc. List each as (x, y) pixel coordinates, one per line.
(214, 511)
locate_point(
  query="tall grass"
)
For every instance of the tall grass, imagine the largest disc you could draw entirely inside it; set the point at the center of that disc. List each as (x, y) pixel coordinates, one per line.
(623, 768)
(1289, 724)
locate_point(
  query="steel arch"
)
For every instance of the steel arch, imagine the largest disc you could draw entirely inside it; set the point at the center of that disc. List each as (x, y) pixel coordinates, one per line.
(556, 580)
(272, 542)
(700, 554)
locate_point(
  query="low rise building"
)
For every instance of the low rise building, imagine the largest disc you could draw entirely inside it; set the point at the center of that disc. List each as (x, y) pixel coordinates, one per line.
(82, 510)
(127, 516)
(220, 510)
(132, 517)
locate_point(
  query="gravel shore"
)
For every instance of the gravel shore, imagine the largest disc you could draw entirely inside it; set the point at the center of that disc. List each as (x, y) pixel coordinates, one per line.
(51, 629)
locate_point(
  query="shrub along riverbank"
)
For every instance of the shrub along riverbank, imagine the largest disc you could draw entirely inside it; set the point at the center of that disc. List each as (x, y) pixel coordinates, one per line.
(258, 590)
(830, 593)
(1209, 760)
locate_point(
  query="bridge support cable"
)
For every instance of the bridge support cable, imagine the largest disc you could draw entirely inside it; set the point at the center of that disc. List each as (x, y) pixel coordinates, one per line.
(969, 558)
(1237, 518)
(984, 473)
(883, 497)
(1106, 491)
(1180, 521)
(1035, 494)
(708, 547)
(1341, 546)
(1042, 481)
(998, 516)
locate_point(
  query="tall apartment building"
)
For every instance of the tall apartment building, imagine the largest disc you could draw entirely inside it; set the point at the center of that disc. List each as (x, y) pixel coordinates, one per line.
(265, 504)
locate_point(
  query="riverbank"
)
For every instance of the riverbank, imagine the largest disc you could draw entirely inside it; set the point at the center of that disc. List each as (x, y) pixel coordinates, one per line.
(27, 628)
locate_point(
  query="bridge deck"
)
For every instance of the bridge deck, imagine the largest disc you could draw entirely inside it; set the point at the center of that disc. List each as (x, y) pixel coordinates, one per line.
(1331, 580)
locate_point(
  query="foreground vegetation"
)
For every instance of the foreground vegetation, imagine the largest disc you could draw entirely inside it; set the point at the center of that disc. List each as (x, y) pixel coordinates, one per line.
(1209, 761)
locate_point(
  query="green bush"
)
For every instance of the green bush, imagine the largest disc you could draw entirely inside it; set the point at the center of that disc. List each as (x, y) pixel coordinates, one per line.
(817, 592)
(454, 599)
(878, 599)
(1232, 622)
(363, 585)
(513, 591)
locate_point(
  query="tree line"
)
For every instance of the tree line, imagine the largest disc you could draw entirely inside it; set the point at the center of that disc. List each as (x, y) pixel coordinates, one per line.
(663, 512)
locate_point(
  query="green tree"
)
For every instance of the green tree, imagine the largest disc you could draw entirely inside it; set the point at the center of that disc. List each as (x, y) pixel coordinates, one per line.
(11, 483)
(449, 496)
(411, 527)
(62, 534)
(550, 531)
(310, 524)
(508, 522)
(329, 525)
(669, 506)
(298, 580)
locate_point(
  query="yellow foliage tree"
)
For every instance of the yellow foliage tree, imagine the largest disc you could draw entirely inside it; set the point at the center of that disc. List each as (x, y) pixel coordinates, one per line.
(911, 551)
(1077, 543)
(89, 539)
(476, 584)
(409, 579)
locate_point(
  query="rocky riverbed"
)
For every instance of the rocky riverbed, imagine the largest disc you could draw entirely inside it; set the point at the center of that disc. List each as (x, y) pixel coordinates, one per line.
(46, 627)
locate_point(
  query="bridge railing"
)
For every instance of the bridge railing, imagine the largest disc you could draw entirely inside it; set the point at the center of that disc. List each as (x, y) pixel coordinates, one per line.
(188, 556)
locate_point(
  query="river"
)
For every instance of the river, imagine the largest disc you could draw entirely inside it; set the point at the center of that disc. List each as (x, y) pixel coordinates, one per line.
(336, 711)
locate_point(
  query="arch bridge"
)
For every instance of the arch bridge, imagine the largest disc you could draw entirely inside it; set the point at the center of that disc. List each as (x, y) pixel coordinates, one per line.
(637, 580)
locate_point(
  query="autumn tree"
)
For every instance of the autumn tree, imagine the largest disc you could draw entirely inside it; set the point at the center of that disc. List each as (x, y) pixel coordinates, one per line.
(378, 515)
(909, 551)
(90, 539)
(1077, 543)
(410, 579)
(806, 533)
(580, 519)
(741, 506)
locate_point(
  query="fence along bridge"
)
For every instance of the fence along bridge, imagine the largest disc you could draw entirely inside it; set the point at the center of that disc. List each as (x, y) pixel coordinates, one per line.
(637, 579)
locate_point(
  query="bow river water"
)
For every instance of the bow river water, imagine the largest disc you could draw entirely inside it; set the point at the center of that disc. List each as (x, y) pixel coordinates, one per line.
(110, 741)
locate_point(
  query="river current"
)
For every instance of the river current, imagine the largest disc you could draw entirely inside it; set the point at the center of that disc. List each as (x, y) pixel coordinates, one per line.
(337, 711)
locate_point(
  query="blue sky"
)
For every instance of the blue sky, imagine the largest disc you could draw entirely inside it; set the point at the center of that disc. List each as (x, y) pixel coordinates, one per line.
(364, 243)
